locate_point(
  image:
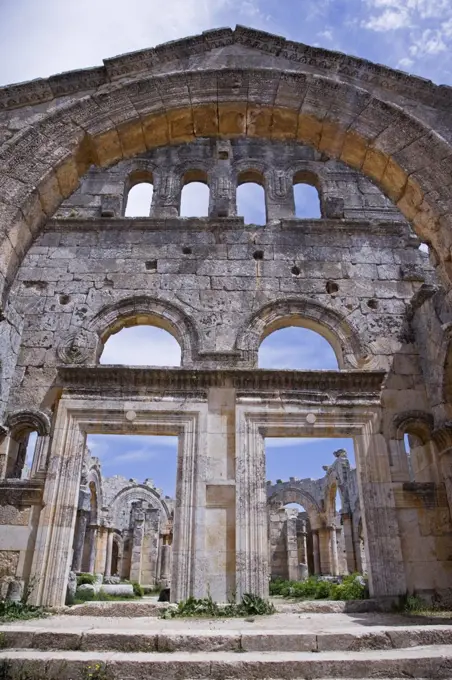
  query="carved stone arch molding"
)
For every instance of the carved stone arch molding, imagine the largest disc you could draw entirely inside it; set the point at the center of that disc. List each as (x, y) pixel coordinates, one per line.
(350, 351)
(85, 346)
(293, 494)
(417, 423)
(365, 128)
(138, 492)
(29, 419)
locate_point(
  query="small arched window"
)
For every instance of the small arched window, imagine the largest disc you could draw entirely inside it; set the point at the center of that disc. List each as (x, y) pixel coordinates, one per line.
(251, 197)
(141, 345)
(306, 195)
(195, 195)
(296, 348)
(21, 451)
(140, 189)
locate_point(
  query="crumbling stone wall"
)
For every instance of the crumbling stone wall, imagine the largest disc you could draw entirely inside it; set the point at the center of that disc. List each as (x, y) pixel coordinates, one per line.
(377, 144)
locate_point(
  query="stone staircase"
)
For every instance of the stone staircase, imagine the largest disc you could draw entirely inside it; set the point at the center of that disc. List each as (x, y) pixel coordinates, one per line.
(64, 648)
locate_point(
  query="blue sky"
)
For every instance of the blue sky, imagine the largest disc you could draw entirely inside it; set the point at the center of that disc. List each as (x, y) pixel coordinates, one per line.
(40, 38)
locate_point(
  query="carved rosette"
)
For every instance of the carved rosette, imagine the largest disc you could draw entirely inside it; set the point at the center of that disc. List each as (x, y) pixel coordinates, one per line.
(78, 348)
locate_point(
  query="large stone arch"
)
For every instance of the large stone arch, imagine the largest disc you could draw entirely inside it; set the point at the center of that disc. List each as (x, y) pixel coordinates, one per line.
(364, 126)
(343, 337)
(295, 494)
(137, 492)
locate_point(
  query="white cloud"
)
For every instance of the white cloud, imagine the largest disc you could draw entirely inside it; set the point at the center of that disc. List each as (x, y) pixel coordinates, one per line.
(404, 63)
(388, 20)
(430, 42)
(64, 35)
(141, 346)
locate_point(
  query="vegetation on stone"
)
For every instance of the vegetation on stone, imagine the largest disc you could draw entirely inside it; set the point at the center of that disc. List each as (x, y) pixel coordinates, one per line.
(19, 611)
(352, 587)
(250, 605)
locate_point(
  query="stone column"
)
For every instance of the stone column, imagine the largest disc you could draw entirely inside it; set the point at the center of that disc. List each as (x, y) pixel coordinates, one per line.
(92, 548)
(165, 565)
(292, 548)
(350, 556)
(222, 196)
(166, 195)
(316, 551)
(325, 551)
(79, 542)
(379, 514)
(279, 195)
(303, 544)
(137, 546)
(110, 535)
(334, 555)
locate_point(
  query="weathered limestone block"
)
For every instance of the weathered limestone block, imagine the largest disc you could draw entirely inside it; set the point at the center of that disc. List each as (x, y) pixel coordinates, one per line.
(125, 589)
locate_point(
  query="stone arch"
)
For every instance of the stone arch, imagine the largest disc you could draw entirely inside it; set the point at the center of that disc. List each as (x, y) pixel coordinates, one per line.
(137, 492)
(294, 494)
(144, 310)
(32, 420)
(417, 423)
(42, 164)
(335, 328)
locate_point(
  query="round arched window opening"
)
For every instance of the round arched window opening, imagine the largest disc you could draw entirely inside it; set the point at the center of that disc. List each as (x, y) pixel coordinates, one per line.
(141, 345)
(298, 348)
(195, 194)
(251, 197)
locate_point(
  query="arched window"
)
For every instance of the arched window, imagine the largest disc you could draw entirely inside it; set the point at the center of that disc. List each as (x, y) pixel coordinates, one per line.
(306, 195)
(251, 197)
(195, 195)
(139, 194)
(296, 348)
(21, 451)
(142, 345)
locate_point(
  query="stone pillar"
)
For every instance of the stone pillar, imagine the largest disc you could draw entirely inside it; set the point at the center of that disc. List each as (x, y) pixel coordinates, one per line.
(325, 551)
(107, 571)
(379, 515)
(279, 195)
(92, 548)
(292, 548)
(303, 544)
(166, 194)
(101, 550)
(165, 565)
(334, 555)
(350, 557)
(137, 545)
(79, 542)
(316, 551)
(222, 196)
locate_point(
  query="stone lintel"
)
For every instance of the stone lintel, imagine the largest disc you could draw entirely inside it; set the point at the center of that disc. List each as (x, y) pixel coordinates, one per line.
(21, 492)
(348, 385)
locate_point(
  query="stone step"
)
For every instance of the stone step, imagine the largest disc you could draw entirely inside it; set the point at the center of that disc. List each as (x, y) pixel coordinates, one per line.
(205, 640)
(434, 662)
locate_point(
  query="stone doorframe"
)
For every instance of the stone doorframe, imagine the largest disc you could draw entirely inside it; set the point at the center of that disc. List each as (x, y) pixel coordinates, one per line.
(278, 419)
(78, 416)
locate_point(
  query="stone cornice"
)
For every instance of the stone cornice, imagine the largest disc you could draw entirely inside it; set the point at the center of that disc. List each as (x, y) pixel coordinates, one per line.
(126, 380)
(21, 492)
(376, 227)
(153, 59)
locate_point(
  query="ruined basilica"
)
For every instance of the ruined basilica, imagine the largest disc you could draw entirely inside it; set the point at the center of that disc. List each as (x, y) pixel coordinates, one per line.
(225, 108)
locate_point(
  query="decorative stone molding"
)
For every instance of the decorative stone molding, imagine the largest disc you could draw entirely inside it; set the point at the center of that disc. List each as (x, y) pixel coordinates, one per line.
(349, 385)
(76, 418)
(30, 420)
(417, 423)
(78, 348)
(328, 322)
(20, 492)
(142, 309)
